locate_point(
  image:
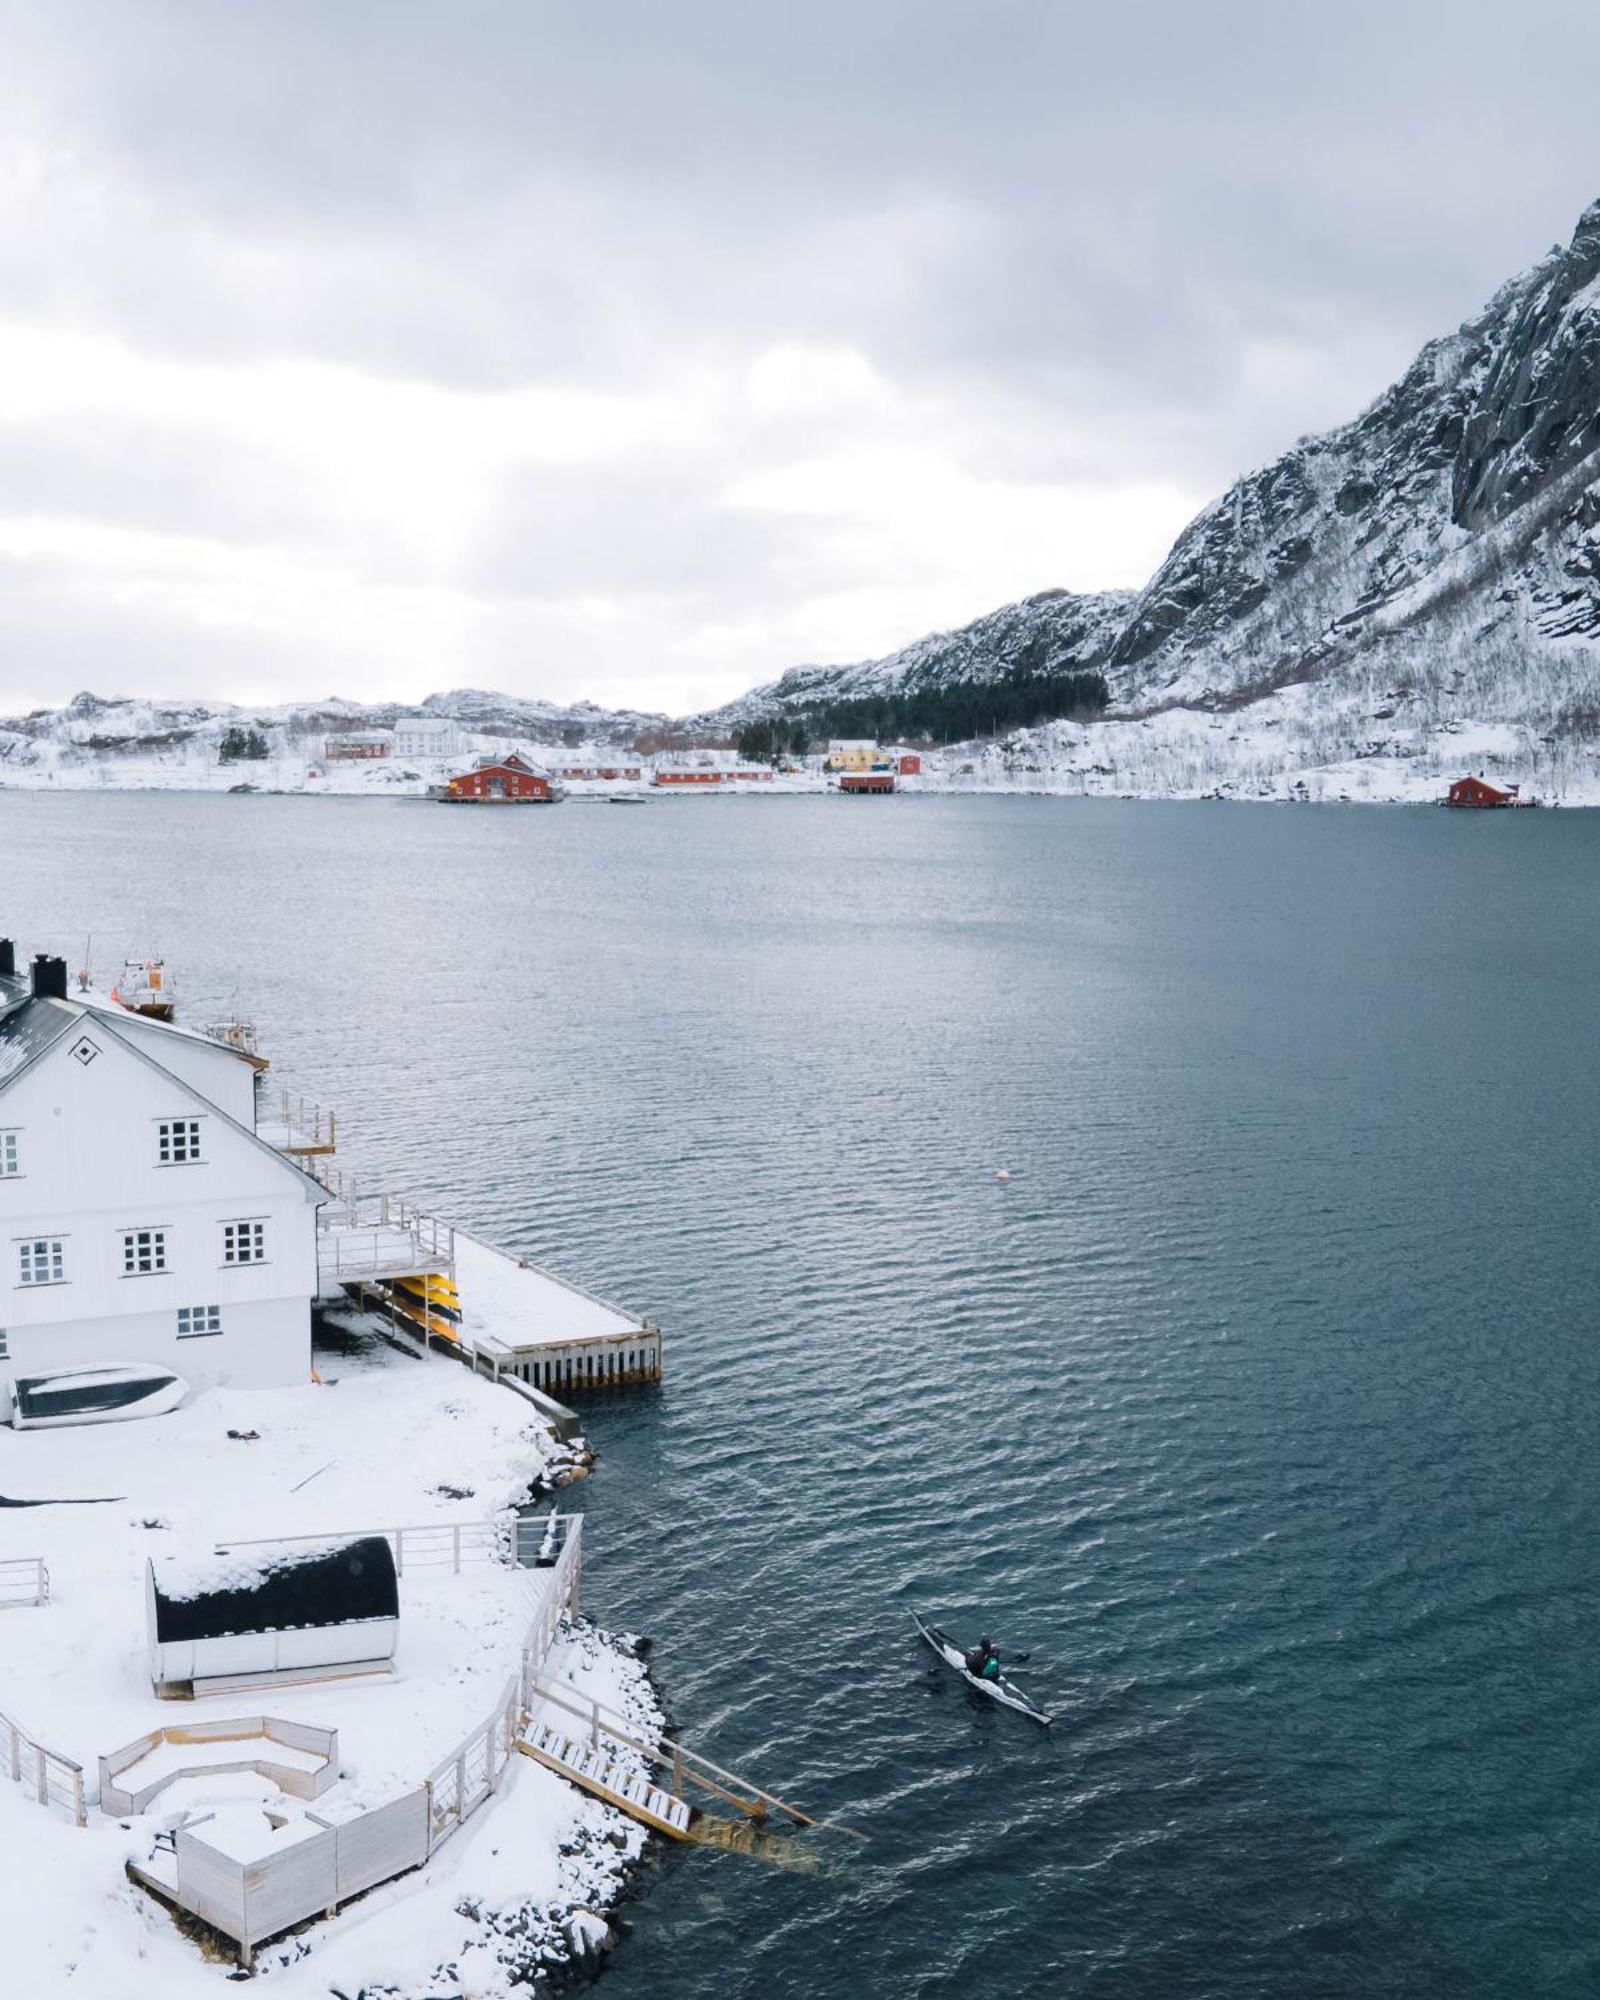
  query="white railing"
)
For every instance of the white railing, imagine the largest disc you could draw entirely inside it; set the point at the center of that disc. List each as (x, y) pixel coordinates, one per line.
(471, 1773)
(435, 1545)
(553, 1545)
(381, 1236)
(23, 1580)
(290, 1121)
(46, 1775)
(239, 1035)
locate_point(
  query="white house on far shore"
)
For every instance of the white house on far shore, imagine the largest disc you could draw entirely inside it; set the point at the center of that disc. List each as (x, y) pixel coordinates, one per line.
(427, 736)
(141, 1219)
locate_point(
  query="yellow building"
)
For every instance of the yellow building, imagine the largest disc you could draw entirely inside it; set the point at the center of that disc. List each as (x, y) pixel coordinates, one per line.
(852, 753)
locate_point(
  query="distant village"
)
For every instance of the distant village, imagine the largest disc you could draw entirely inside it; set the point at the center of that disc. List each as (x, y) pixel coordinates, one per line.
(857, 765)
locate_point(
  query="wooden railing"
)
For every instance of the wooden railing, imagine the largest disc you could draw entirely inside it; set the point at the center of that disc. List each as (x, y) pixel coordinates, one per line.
(46, 1775)
(23, 1580)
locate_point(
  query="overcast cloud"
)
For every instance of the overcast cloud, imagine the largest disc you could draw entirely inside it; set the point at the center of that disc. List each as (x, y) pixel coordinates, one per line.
(640, 350)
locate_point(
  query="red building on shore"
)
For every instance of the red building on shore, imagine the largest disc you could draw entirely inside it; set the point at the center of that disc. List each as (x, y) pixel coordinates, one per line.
(504, 781)
(1479, 792)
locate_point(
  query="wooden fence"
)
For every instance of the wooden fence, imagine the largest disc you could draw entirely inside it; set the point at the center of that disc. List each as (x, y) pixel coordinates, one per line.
(253, 1733)
(46, 1775)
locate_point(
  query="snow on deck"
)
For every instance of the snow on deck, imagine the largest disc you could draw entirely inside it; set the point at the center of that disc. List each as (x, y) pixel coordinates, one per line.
(508, 1304)
(75, 1673)
(371, 1449)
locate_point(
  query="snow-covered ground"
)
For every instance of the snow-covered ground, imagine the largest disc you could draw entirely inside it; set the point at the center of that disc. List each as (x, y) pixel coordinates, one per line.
(385, 1441)
(1380, 734)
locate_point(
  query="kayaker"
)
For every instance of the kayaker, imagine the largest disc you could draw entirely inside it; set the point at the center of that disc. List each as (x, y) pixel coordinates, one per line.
(983, 1662)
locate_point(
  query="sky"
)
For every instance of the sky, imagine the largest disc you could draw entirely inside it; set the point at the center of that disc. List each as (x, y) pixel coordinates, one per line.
(636, 352)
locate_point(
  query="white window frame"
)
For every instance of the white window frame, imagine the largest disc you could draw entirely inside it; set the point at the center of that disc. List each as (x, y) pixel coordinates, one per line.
(149, 1258)
(54, 1260)
(11, 1153)
(198, 1322)
(254, 1243)
(178, 1142)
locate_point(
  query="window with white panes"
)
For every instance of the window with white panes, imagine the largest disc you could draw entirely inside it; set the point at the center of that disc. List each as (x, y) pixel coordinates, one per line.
(41, 1260)
(143, 1251)
(178, 1141)
(244, 1242)
(10, 1154)
(196, 1320)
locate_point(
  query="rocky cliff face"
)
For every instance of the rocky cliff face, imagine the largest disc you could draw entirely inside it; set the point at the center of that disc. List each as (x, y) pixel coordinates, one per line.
(1468, 486)
(1447, 541)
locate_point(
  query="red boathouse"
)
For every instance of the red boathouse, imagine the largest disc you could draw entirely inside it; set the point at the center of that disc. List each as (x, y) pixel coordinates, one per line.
(858, 782)
(501, 781)
(1479, 792)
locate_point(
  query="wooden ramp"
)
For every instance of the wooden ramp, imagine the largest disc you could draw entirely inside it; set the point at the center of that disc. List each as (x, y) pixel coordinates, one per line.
(575, 1736)
(609, 1769)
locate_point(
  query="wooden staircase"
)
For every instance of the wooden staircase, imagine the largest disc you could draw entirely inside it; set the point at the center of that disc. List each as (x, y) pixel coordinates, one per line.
(575, 1736)
(610, 1770)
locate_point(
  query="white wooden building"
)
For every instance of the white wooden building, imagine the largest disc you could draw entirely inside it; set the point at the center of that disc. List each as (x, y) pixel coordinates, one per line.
(428, 736)
(141, 1218)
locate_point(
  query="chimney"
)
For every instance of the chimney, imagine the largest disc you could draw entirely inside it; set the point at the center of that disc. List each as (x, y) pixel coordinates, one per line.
(49, 977)
(8, 959)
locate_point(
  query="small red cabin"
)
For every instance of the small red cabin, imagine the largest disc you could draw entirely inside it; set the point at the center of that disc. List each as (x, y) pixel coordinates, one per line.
(505, 781)
(910, 764)
(1479, 792)
(857, 782)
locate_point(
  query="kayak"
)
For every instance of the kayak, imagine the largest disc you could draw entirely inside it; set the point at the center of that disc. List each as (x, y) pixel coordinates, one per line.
(1007, 1693)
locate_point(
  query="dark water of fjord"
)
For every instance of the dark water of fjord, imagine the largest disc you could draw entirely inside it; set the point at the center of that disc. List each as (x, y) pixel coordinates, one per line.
(1261, 1406)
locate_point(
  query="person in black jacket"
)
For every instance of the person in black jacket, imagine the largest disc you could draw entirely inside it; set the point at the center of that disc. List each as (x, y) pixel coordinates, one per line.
(983, 1662)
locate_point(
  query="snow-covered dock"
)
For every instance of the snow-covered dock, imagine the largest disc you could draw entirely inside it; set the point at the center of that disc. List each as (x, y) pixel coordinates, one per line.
(520, 1320)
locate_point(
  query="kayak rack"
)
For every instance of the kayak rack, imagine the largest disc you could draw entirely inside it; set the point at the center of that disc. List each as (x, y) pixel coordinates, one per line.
(596, 1751)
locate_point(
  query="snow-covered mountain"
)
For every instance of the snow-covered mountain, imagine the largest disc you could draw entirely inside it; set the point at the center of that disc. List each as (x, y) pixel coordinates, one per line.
(1427, 572)
(120, 740)
(1415, 590)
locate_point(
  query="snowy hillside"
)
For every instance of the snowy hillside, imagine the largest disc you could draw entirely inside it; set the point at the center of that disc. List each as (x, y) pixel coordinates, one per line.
(141, 743)
(1412, 590)
(1054, 631)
